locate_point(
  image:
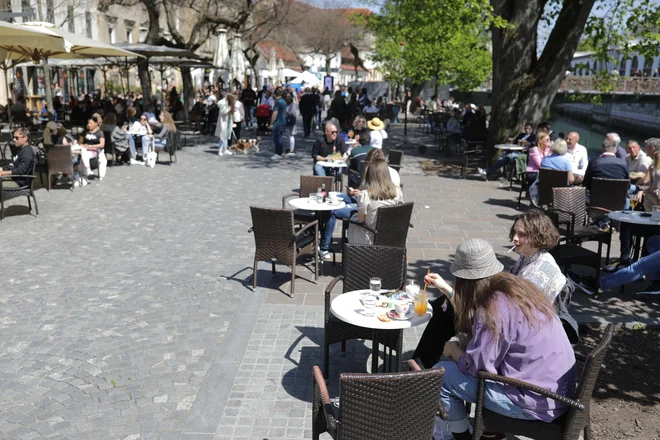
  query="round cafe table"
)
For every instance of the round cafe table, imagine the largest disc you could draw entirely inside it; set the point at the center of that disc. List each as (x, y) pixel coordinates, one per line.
(348, 307)
(307, 204)
(641, 226)
(336, 165)
(509, 147)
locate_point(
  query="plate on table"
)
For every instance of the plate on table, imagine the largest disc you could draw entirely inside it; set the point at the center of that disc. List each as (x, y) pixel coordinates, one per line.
(394, 315)
(333, 204)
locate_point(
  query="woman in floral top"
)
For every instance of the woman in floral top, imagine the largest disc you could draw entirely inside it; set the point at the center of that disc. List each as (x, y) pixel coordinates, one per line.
(533, 235)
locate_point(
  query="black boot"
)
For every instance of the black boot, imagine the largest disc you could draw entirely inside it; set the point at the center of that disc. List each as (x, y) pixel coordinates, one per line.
(462, 435)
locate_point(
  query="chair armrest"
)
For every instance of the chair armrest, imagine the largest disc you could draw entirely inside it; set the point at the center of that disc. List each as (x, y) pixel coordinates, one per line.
(596, 208)
(286, 197)
(571, 225)
(322, 399)
(484, 375)
(22, 176)
(331, 286)
(315, 223)
(362, 225)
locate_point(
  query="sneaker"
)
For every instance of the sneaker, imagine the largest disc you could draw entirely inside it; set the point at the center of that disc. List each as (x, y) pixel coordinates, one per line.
(276, 157)
(616, 266)
(136, 162)
(220, 153)
(482, 171)
(76, 183)
(152, 159)
(325, 255)
(287, 151)
(229, 153)
(291, 153)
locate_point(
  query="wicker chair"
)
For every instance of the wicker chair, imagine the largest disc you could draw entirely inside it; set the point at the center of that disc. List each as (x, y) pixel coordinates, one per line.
(567, 427)
(473, 154)
(59, 161)
(549, 179)
(308, 184)
(386, 406)
(277, 241)
(7, 193)
(394, 159)
(392, 224)
(361, 262)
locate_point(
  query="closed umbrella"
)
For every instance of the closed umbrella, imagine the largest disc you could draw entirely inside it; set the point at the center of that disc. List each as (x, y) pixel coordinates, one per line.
(221, 57)
(237, 70)
(272, 64)
(280, 72)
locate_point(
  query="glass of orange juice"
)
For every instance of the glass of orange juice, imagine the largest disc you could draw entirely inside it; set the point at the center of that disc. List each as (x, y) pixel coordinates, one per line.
(421, 303)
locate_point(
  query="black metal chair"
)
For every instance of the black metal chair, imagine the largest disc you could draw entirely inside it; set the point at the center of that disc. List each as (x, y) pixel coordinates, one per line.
(276, 240)
(474, 154)
(394, 159)
(360, 264)
(392, 224)
(8, 193)
(173, 139)
(308, 184)
(567, 427)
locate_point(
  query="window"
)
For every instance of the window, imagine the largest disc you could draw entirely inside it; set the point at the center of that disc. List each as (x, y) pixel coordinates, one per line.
(143, 34)
(88, 24)
(50, 11)
(111, 34)
(129, 35)
(71, 19)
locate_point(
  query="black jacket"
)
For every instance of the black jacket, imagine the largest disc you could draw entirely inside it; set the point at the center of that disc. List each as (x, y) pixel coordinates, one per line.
(307, 105)
(22, 165)
(322, 148)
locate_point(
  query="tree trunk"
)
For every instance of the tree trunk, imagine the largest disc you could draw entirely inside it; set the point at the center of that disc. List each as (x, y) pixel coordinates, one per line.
(188, 88)
(47, 84)
(524, 86)
(328, 72)
(145, 83)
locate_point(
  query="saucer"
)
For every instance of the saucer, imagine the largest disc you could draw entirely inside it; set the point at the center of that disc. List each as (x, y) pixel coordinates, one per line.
(392, 314)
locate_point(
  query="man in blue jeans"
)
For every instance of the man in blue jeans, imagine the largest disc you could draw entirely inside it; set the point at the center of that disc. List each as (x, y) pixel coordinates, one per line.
(278, 122)
(649, 265)
(329, 228)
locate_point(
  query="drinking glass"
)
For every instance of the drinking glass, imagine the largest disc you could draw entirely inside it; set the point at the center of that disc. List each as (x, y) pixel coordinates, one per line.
(369, 301)
(633, 201)
(375, 285)
(313, 197)
(412, 289)
(421, 303)
(319, 197)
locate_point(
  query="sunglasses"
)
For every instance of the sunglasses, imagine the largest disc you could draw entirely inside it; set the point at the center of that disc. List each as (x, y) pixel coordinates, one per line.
(18, 137)
(333, 132)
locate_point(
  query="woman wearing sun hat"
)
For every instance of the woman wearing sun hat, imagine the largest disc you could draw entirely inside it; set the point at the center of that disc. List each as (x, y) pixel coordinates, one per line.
(378, 133)
(513, 331)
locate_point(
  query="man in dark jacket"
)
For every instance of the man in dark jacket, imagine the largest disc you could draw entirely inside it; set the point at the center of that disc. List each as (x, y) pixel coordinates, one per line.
(22, 163)
(606, 166)
(248, 98)
(324, 147)
(307, 107)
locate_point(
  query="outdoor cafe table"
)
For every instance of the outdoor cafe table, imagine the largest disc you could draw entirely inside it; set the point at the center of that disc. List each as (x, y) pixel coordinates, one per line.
(348, 307)
(336, 166)
(307, 204)
(640, 225)
(509, 148)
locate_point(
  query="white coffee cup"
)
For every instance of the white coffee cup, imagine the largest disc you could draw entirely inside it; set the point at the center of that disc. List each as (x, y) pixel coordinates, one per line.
(401, 308)
(333, 197)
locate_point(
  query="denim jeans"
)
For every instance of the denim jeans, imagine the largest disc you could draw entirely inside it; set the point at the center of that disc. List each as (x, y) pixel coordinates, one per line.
(458, 388)
(343, 213)
(320, 170)
(146, 140)
(278, 132)
(131, 145)
(503, 161)
(649, 265)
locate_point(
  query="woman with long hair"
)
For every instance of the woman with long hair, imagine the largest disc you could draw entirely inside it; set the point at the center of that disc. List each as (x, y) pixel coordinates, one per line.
(513, 331)
(536, 155)
(223, 130)
(159, 139)
(649, 186)
(377, 190)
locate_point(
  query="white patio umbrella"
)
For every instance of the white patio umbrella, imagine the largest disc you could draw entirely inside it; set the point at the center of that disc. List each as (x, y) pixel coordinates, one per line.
(237, 70)
(272, 63)
(280, 72)
(221, 57)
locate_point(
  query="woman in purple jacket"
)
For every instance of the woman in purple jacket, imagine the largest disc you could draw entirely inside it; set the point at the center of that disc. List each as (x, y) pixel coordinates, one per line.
(513, 331)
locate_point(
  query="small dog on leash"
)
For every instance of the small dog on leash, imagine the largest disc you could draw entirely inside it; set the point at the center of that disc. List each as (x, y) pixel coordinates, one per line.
(244, 145)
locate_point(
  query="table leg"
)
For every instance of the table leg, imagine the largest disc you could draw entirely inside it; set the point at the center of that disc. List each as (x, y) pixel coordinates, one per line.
(375, 351)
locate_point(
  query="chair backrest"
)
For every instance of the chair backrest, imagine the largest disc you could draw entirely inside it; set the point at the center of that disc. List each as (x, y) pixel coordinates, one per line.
(389, 405)
(577, 420)
(273, 234)
(59, 159)
(549, 179)
(394, 159)
(362, 262)
(309, 184)
(572, 200)
(392, 223)
(609, 194)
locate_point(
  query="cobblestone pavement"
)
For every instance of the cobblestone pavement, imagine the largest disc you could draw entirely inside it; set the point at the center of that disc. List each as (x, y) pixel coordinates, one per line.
(126, 311)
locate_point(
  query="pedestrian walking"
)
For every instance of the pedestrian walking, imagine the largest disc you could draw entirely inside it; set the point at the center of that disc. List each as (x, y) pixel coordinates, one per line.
(307, 109)
(249, 98)
(278, 122)
(226, 108)
(290, 130)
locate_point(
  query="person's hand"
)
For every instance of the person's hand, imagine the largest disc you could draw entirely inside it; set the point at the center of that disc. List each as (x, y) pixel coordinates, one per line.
(452, 350)
(433, 279)
(639, 196)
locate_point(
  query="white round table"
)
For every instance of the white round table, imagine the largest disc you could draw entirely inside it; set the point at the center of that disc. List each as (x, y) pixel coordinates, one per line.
(336, 165)
(348, 307)
(509, 147)
(313, 205)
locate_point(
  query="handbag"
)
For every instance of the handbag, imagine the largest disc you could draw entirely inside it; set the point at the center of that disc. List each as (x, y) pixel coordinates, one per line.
(290, 120)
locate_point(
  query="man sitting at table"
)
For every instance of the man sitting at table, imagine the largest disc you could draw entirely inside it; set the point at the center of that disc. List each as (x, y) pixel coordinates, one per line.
(323, 148)
(638, 163)
(577, 155)
(358, 156)
(527, 137)
(607, 165)
(22, 163)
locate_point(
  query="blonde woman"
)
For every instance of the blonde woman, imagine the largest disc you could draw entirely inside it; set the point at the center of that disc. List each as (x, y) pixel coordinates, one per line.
(377, 190)
(649, 187)
(150, 141)
(536, 155)
(226, 109)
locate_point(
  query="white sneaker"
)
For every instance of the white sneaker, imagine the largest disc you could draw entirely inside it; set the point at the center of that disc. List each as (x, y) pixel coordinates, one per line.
(220, 153)
(228, 152)
(136, 162)
(85, 182)
(325, 255)
(276, 157)
(482, 171)
(291, 153)
(76, 183)
(152, 159)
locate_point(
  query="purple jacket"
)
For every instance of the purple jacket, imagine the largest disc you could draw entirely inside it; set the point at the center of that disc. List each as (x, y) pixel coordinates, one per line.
(541, 356)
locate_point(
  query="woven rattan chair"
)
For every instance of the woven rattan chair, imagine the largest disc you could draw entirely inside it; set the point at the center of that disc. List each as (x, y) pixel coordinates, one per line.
(392, 224)
(474, 154)
(385, 406)
(567, 427)
(549, 179)
(308, 184)
(277, 241)
(361, 262)
(394, 159)
(59, 161)
(7, 193)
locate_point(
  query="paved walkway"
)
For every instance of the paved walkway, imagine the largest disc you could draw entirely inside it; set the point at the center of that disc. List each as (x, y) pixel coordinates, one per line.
(127, 312)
